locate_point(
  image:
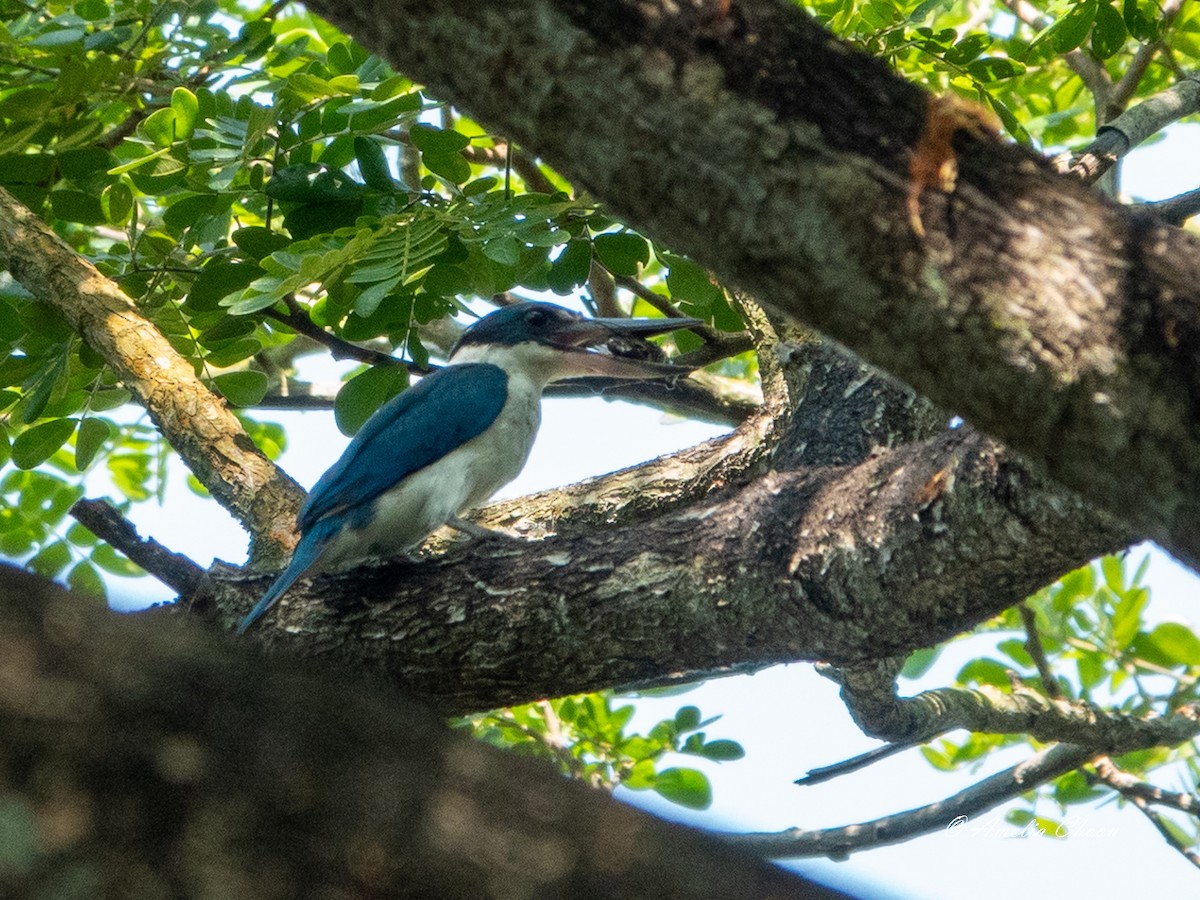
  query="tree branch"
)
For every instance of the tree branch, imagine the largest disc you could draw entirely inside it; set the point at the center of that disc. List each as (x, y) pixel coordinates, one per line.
(1081, 349)
(839, 572)
(195, 421)
(1133, 126)
(150, 755)
(1135, 792)
(953, 812)
(297, 320)
(870, 694)
(1178, 209)
(173, 569)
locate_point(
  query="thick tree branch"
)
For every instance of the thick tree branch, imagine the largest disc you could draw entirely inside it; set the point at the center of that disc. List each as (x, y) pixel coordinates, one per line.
(1178, 209)
(835, 566)
(160, 760)
(1050, 318)
(195, 421)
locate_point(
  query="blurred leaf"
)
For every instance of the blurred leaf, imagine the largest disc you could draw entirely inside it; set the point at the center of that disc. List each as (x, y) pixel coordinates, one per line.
(85, 579)
(242, 388)
(92, 434)
(37, 444)
(1072, 29)
(363, 394)
(1177, 642)
(920, 661)
(114, 563)
(622, 254)
(1109, 33)
(687, 787)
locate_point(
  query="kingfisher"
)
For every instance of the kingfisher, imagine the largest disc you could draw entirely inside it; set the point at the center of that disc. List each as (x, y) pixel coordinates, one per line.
(449, 442)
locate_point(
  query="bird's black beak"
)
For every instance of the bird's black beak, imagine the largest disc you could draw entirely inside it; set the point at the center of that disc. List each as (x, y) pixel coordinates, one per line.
(582, 334)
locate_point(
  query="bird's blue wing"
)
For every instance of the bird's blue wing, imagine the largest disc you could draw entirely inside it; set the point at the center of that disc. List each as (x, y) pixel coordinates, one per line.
(413, 429)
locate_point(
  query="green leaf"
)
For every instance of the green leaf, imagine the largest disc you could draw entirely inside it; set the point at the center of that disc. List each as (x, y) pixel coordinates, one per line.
(920, 661)
(1141, 19)
(1177, 642)
(687, 718)
(622, 253)
(1108, 34)
(687, 787)
(503, 250)
(373, 164)
(218, 280)
(186, 108)
(571, 268)
(362, 395)
(438, 141)
(995, 68)
(1071, 30)
(451, 166)
(258, 242)
(85, 162)
(722, 751)
(59, 38)
(1113, 569)
(116, 202)
(114, 563)
(242, 388)
(51, 559)
(984, 671)
(90, 438)
(84, 579)
(37, 444)
(77, 206)
(968, 48)
(160, 127)
(1127, 618)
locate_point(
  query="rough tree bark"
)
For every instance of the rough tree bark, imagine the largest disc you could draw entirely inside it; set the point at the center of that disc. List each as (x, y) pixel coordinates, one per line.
(147, 761)
(1052, 319)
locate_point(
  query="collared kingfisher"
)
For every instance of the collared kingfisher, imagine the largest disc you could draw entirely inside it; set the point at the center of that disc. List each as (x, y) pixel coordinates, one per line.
(449, 442)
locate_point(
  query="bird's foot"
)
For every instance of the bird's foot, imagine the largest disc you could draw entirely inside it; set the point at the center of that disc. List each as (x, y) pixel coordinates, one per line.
(474, 530)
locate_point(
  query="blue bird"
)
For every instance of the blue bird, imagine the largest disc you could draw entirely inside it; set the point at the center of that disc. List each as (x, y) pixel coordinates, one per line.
(454, 438)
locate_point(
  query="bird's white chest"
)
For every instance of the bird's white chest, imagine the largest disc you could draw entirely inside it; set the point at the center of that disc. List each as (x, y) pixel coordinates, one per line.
(462, 479)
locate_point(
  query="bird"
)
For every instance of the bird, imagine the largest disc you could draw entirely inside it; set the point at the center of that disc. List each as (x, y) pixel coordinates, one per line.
(447, 443)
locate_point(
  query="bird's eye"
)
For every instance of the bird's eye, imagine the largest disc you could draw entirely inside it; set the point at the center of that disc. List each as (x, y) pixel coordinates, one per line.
(535, 318)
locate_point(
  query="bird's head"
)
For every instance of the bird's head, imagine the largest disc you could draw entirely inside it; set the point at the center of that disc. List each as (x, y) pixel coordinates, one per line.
(549, 342)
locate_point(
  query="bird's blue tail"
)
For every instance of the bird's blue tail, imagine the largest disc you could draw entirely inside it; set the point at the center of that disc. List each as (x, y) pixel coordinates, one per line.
(307, 552)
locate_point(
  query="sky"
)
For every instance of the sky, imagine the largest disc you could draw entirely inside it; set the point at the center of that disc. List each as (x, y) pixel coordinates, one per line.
(788, 718)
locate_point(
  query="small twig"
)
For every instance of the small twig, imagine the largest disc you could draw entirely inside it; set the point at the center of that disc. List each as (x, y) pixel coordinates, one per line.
(173, 569)
(838, 843)
(853, 764)
(1142, 795)
(297, 320)
(522, 163)
(664, 306)
(1132, 786)
(1033, 646)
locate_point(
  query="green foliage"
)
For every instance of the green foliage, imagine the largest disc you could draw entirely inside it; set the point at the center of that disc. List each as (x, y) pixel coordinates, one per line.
(232, 166)
(270, 166)
(587, 737)
(1095, 639)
